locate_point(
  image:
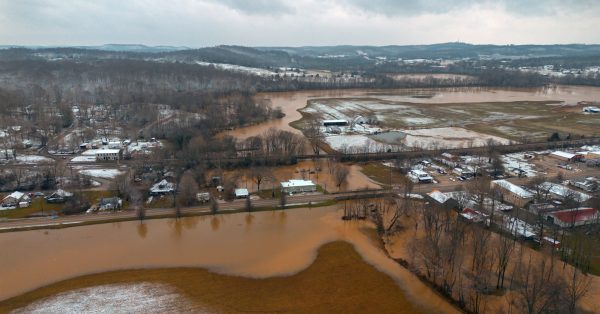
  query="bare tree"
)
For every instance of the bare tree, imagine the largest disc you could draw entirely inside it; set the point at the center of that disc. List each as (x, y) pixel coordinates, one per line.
(187, 190)
(259, 174)
(282, 199)
(141, 214)
(214, 205)
(340, 174)
(248, 205)
(577, 285)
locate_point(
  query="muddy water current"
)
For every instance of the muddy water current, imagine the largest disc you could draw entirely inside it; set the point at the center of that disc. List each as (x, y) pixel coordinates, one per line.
(249, 246)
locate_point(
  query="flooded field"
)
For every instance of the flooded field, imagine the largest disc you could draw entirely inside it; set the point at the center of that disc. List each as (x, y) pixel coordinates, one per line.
(269, 255)
(488, 110)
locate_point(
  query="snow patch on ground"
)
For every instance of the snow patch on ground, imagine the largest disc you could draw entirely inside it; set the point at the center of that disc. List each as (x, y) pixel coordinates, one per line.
(116, 298)
(33, 159)
(450, 137)
(84, 158)
(355, 143)
(101, 173)
(417, 121)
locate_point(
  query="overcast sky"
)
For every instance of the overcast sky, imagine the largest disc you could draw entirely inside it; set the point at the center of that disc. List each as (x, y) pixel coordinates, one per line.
(199, 23)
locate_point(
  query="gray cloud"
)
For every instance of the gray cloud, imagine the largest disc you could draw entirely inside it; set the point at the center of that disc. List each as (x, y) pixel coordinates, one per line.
(258, 6)
(198, 23)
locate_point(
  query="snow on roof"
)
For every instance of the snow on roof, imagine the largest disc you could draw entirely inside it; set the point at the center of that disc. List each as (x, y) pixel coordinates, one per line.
(439, 196)
(241, 192)
(519, 227)
(575, 215)
(515, 189)
(16, 195)
(163, 186)
(295, 183)
(335, 121)
(62, 193)
(564, 191)
(563, 154)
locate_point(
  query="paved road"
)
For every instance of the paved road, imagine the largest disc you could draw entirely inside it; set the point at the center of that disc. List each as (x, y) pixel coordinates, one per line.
(48, 222)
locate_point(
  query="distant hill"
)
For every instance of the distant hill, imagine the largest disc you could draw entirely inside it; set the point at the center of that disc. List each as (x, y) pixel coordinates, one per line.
(321, 57)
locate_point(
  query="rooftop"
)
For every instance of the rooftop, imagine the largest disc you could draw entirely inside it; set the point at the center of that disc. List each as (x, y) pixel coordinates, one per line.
(575, 215)
(513, 188)
(294, 182)
(563, 154)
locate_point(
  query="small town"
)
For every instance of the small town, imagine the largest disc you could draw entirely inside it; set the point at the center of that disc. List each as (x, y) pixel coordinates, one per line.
(299, 157)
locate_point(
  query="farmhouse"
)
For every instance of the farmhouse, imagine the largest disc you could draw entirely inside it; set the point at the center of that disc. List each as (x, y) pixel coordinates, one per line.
(16, 199)
(512, 193)
(335, 122)
(108, 154)
(161, 188)
(298, 186)
(360, 120)
(573, 217)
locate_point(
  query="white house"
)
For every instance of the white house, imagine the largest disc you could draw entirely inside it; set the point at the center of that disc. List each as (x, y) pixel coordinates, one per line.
(241, 193)
(298, 186)
(108, 154)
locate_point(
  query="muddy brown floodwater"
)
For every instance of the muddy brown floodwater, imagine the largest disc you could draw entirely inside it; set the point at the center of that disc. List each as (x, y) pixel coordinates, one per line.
(290, 102)
(226, 250)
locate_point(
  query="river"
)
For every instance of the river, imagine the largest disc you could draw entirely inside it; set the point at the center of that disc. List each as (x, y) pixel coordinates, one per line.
(260, 246)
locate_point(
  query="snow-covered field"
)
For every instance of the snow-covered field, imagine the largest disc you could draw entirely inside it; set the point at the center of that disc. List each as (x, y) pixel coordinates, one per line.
(349, 109)
(450, 137)
(355, 144)
(142, 297)
(33, 159)
(238, 68)
(102, 173)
